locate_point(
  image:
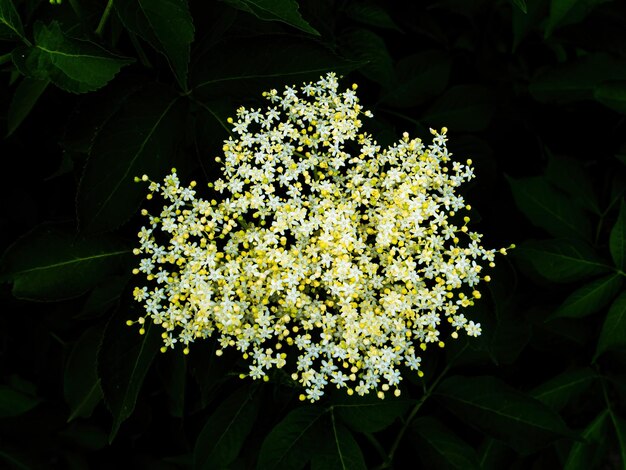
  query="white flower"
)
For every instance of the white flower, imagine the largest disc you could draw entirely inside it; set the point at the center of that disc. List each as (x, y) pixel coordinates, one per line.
(326, 255)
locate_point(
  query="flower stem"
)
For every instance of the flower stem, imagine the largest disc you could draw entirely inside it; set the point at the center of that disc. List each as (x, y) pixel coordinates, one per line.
(104, 18)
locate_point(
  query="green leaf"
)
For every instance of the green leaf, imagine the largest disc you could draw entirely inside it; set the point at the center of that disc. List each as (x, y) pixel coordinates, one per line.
(73, 65)
(462, 108)
(172, 370)
(445, 448)
(103, 297)
(617, 240)
(503, 412)
(418, 77)
(285, 11)
(123, 362)
(576, 80)
(24, 98)
(368, 47)
(81, 383)
(369, 413)
(620, 430)
(340, 450)
(51, 263)
(561, 260)
(521, 4)
(293, 442)
(371, 14)
(10, 22)
(577, 184)
(143, 137)
(612, 94)
(613, 335)
(166, 25)
(270, 60)
(590, 453)
(564, 12)
(224, 433)
(589, 298)
(548, 208)
(15, 402)
(559, 390)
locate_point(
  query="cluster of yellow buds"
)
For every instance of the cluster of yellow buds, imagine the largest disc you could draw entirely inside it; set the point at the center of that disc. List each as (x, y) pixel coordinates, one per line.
(321, 253)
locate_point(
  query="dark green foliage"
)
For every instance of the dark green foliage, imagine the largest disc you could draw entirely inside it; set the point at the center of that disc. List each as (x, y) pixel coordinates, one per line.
(97, 93)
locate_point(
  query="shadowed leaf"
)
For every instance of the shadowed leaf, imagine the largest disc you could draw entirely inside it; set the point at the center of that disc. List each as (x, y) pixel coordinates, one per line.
(559, 390)
(52, 263)
(224, 433)
(503, 412)
(25, 97)
(10, 22)
(548, 208)
(285, 11)
(123, 362)
(81, 383)
(143, 137)
(613, 334)
(293, 442)
(589, 298)
(73, 65)
(562, 260)
(445, 449)
(166, 25)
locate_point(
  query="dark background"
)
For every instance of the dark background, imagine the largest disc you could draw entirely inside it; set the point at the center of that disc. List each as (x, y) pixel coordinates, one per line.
(95, 93)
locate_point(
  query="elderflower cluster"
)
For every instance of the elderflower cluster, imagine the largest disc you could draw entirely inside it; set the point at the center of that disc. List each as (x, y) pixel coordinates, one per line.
(322, 253)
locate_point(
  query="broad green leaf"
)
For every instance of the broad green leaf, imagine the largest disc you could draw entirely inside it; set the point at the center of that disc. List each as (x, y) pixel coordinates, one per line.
(521, 4)
(73, 65)
(369, 413)
(561, 260)
(613, 335)
(503, 412)
(270, 61)
(368, 47)
(548, 208)
(418, 77)
(462, 108)
(564, 12)
(293, 442)
(590, 298)
(445, 449)
(24, 98)
(340, 450)
(559, 390)
(525, 21)
(371, 14)
(224, 433)
(617, 240)
(612, 94)
(590, 453)
(123, 362)
(15, 402)
(81, 384)
(10, 22)
(52, 263)
(143, 137)
(576, 80)
(166, 25)
(285, 11)
(577, 185)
